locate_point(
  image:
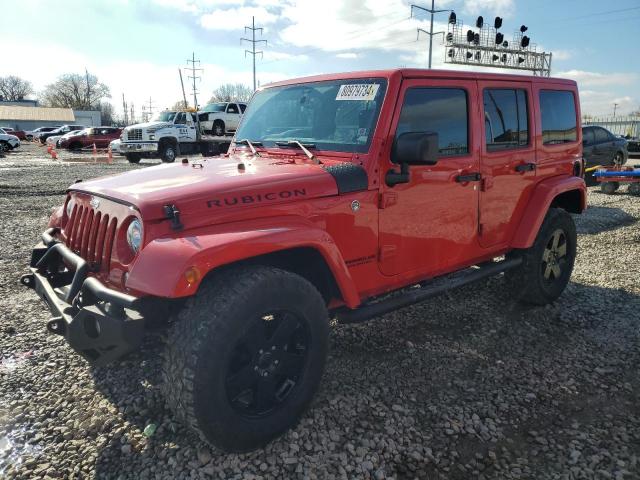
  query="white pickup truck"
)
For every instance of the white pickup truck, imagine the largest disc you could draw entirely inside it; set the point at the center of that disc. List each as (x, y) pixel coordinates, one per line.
(221, 117)
(166, 136)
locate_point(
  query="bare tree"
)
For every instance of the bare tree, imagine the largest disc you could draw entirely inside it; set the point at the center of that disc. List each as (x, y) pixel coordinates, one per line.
(77, 91)
(179, 105)
(14, 88)
(106, 113)
(230, 92)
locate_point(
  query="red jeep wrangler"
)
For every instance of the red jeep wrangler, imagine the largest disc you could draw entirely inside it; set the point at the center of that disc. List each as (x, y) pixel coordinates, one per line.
(337, 190)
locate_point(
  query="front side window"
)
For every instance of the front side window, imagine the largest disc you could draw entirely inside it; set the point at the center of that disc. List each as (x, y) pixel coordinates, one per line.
(232, 108)
(601, 135)
(337, 115)
(558, 112)
(505, 118)
(437, 110)
(164, 116)
(215, 107)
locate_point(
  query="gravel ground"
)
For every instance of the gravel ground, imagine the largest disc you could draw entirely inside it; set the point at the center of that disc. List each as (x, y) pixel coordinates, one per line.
(468, 385)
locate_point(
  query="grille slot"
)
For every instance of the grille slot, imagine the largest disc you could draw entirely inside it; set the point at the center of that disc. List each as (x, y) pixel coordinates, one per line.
(91, 235)
(134, 134)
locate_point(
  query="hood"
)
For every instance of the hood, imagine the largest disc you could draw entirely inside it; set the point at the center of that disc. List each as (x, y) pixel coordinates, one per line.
(214, 185)
(147, 125)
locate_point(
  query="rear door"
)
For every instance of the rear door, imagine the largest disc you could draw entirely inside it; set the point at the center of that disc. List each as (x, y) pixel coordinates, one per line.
(588, 141)
(508, 157)
(429, 225)
(233, 116)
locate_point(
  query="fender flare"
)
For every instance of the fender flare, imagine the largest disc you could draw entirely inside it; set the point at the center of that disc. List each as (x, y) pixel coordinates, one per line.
(540, 202)
(160, 266)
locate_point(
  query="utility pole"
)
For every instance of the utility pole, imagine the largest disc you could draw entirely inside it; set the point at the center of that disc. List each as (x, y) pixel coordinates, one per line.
(126, 113)
(184, 95)
(253, 42)
(615, 107)
(193, 76)
(133, 118)
(431, 33)
(86, 72)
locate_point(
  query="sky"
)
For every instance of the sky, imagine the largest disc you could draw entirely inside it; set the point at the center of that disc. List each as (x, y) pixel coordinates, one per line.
(137, 46)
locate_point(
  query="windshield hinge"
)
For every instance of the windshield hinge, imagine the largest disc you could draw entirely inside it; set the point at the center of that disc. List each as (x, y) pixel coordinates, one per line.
(173, 214)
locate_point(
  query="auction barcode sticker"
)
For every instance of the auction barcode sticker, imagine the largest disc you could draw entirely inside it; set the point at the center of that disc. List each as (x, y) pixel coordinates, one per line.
(358, 91)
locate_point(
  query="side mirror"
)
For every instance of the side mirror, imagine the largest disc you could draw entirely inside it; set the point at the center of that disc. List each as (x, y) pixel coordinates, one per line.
(416, 148)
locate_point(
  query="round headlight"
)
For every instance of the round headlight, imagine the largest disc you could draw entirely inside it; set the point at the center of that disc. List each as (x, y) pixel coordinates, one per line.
(134, 235)
(69, 208)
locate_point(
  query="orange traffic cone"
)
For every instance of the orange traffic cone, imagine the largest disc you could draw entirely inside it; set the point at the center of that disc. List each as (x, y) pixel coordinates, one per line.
(109, 155)
(95, 154)
(49, 148)
(54, 154)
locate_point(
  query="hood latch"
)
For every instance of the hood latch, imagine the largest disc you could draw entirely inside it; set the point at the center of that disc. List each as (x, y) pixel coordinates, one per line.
(173, 214)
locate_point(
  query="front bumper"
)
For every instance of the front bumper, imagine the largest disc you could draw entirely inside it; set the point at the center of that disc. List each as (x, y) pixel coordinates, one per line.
(141, 147)
(99, 323)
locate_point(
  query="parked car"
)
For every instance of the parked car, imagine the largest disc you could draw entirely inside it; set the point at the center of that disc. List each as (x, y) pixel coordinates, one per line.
(34, 134)
(100, 136)
(8, 141)
(222, 117)
(115, 147)
(60, 131)
(337, 191)
(21, 134)
(55, 140)
(601, 147)
(633, 145)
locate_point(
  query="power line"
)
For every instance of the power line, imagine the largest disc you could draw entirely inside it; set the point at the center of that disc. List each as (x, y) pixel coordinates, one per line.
(193, 76)
(594, 14)
(253, 42)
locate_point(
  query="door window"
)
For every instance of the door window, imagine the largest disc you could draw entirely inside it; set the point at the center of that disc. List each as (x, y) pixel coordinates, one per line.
(437, 110)
(601, 135)
(506, 118)
(232, 108)
(558, 112)
(180, 119)
(242, 107)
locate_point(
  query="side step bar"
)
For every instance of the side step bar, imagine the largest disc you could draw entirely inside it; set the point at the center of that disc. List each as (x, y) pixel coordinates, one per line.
(417, 295)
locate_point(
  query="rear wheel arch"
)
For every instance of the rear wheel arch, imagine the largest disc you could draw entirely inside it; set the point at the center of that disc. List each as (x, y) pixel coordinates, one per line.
(571, 201)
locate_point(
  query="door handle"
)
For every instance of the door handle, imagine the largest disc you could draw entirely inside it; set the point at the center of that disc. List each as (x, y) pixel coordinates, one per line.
(526, 167)
(470, 177)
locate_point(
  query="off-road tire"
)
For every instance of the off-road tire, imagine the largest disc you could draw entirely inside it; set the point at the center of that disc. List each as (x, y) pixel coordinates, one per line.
(634, 189)
(203, 341)
(218, 128)
(133, 157)
(4, 146)
(618, 159)
(168, 152)
(528, 280)
(609, 188)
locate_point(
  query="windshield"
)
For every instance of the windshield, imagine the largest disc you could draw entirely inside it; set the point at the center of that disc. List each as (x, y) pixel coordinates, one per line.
(337, 115)
(164, 117)
(215, 107)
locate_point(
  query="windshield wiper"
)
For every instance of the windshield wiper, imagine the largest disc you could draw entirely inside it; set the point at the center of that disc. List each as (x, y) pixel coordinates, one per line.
(303, 147)
(250, 144)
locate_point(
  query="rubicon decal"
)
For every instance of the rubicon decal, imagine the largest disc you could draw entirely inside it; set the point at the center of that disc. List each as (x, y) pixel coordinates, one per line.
(256, 198)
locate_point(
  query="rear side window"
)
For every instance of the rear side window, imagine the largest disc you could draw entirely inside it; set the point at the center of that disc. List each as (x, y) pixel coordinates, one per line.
(558, 112)
(587, 136)
(437, 110)
(242, 107)
(506, 118)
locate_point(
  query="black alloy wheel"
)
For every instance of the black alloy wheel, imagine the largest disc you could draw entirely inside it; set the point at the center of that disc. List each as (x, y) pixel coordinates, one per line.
(267, 364)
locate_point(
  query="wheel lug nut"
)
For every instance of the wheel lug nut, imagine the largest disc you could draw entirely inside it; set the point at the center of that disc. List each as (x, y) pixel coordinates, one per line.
(261, 351)
(276, 362)
(265, 374)
(256, 368)
(273, 347)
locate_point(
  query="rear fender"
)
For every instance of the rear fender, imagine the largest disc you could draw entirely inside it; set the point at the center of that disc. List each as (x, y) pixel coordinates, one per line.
(569, 193)
(160, 267)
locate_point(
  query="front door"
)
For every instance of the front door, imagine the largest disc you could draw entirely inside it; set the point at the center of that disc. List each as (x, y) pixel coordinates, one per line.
(508, 158)
(429, 225)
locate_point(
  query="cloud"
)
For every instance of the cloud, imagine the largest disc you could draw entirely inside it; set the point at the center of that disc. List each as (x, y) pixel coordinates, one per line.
(503, 8)
(597, 79)
(561, 55)
(272, 56)
(348, 55)
(236, 18)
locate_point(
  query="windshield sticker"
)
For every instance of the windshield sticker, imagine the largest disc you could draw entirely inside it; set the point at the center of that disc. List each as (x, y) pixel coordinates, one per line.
(358, 91)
